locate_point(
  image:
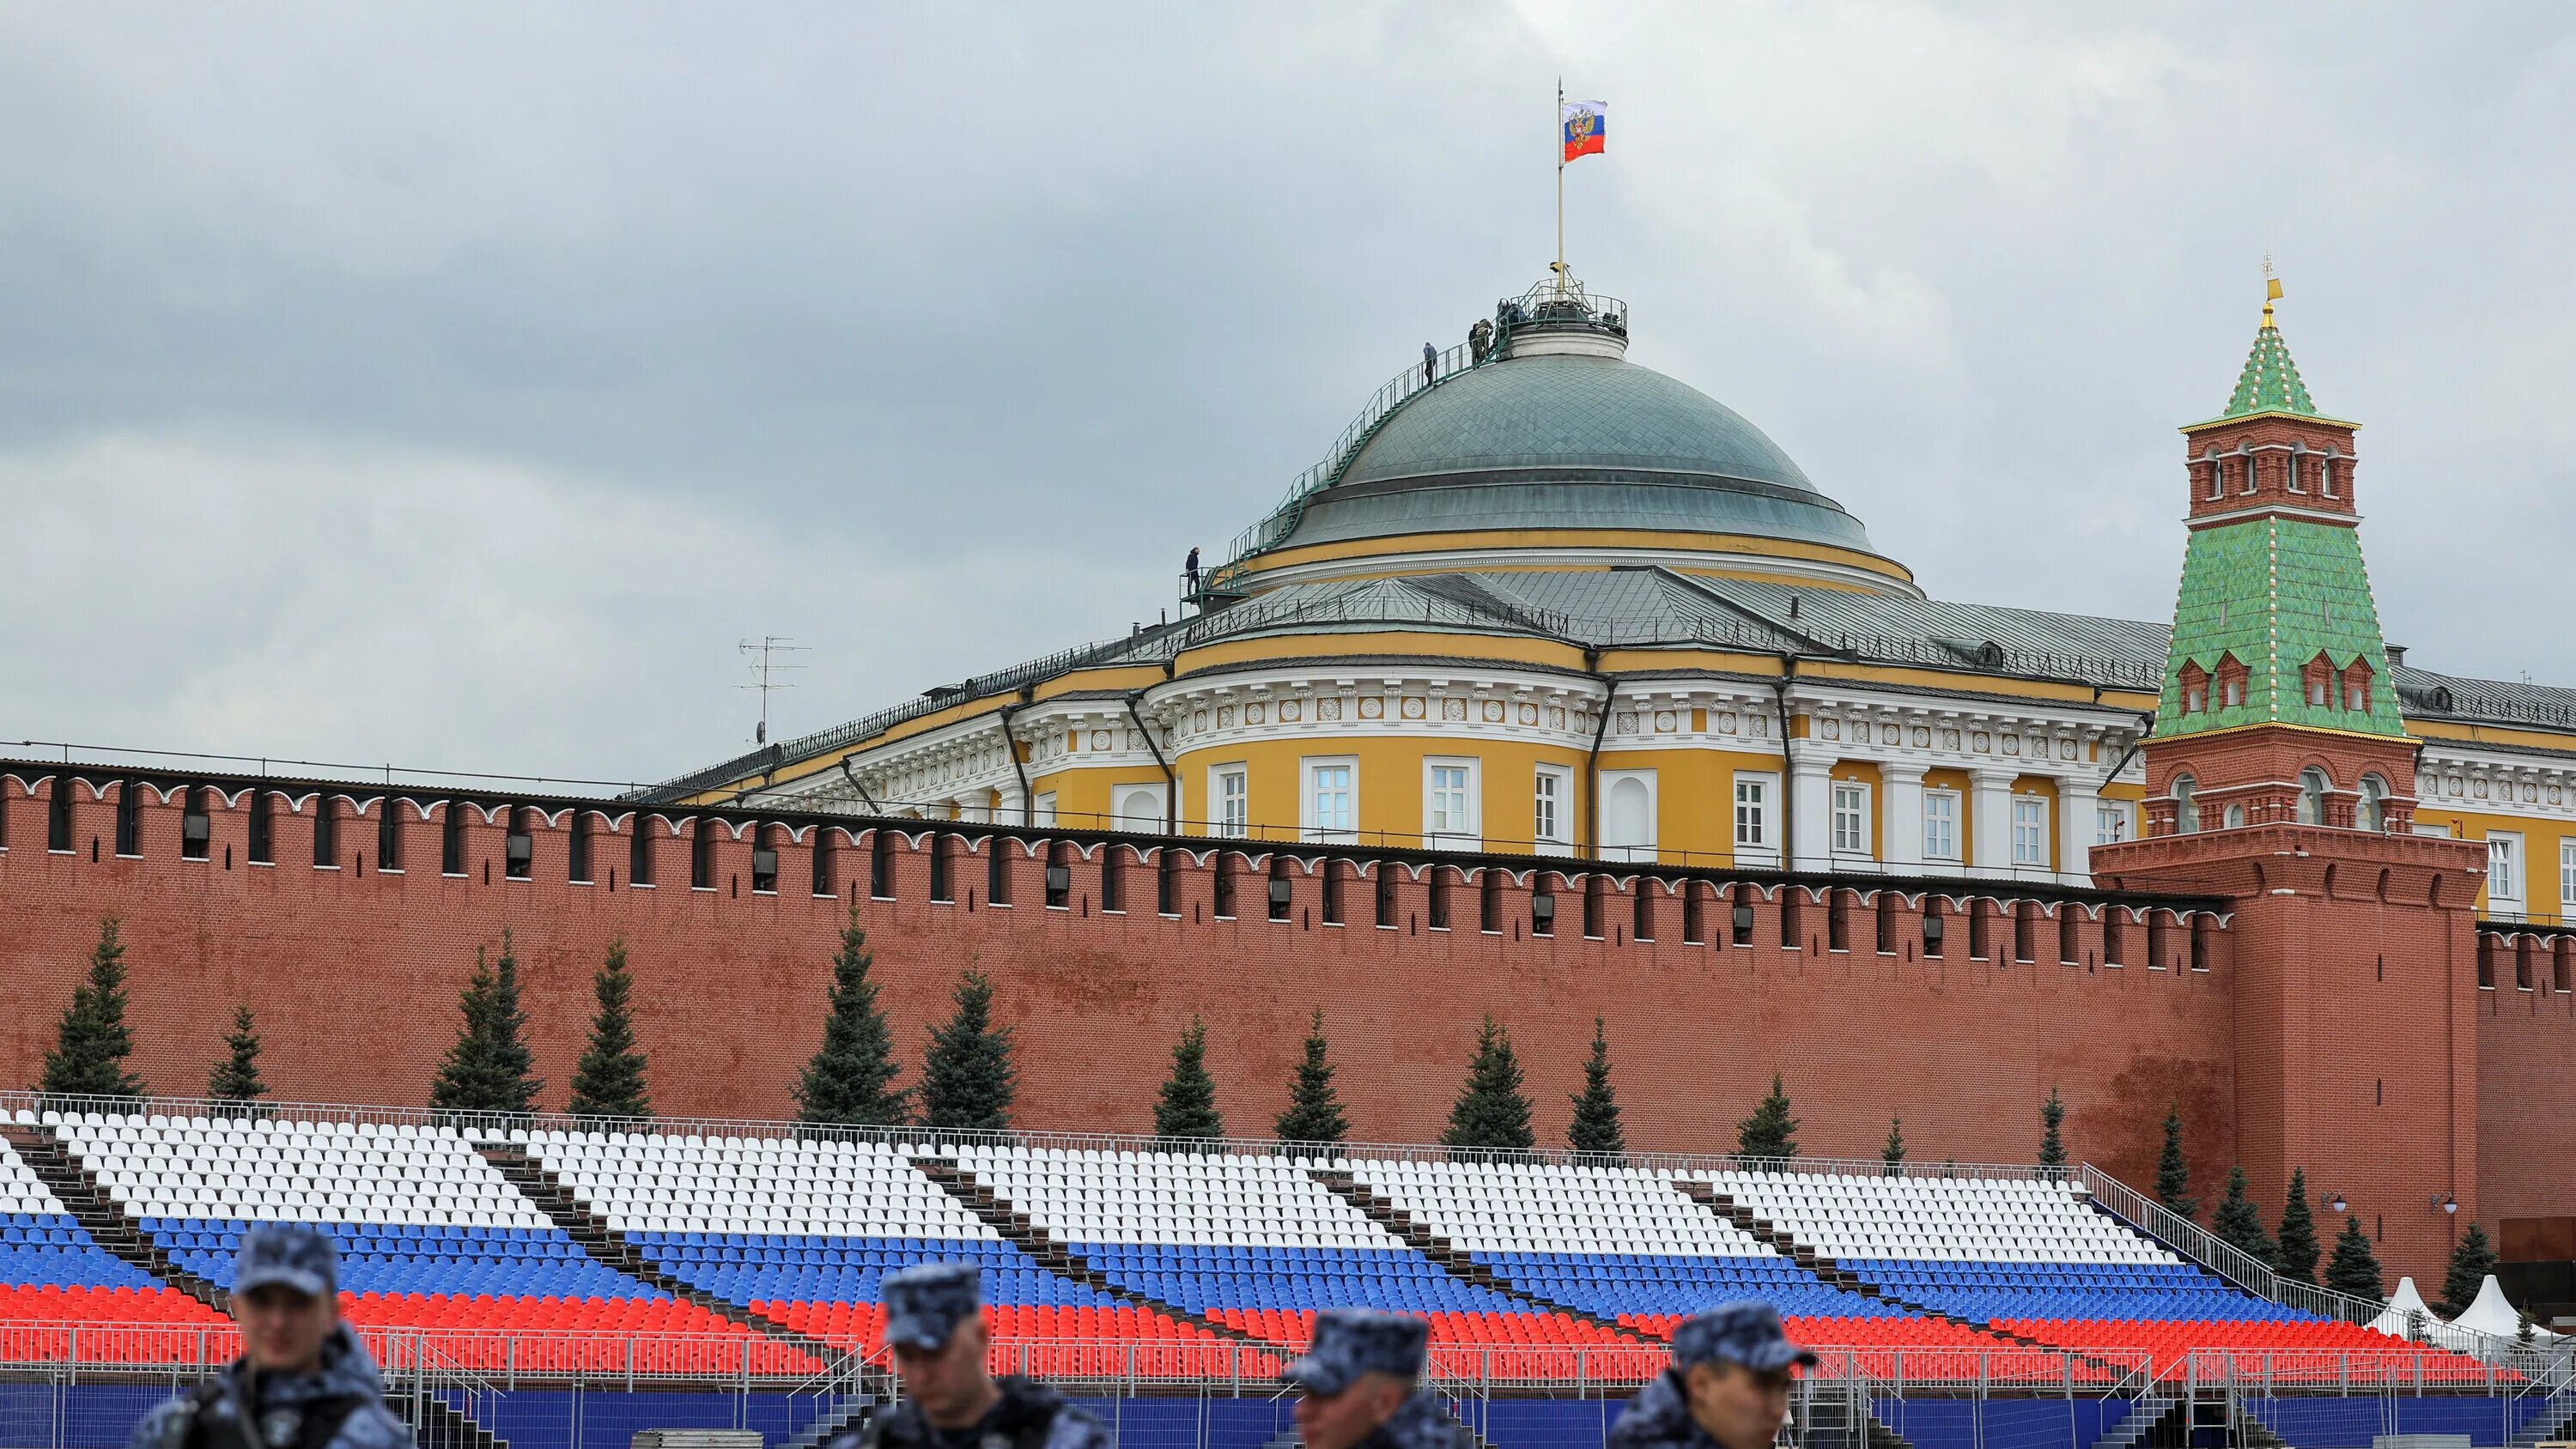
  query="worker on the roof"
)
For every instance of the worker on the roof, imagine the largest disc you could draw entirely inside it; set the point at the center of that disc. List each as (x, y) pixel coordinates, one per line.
(935, 1326)
(1727, 1387)
(303, 1380)
(1362, 1377)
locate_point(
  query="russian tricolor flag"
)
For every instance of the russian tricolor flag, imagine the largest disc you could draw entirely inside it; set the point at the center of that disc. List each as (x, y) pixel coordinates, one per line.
(1587, 126)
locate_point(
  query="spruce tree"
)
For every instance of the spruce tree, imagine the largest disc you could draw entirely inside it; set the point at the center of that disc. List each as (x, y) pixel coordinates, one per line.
(850, 1080)
(2472, 1259)
(967, 1080)
(235, 1079)
(1596, 1108)
(1314, 1109)
(609, 1081)
(2239, 1224)
(2354, 1269)
(1188, 1105)
(2298, 1246)
(1893, 1154)
(1490, 1111)
(91, 1042)
(2052, 1146)
(1770, 1132)
(490, 1069)
(2173, 1174)
(2522, 1332)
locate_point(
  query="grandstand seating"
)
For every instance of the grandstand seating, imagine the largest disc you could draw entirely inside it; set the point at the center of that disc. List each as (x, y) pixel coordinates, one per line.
(436, 1237)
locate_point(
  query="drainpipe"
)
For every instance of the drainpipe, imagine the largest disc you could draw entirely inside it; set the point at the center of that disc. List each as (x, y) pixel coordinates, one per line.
(1011, 747)
(2131, 753)
(1788, 775)
(1171, 784)
(1592, 759)
(853, 777)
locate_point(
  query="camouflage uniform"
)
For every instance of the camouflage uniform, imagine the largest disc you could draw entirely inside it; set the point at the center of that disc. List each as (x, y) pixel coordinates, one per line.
(1747, 1333)
(339, 1406)
(1352, 1342)
(924, 1307)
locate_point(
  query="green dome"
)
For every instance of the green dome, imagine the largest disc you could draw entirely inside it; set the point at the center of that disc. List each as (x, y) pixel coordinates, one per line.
(1572, 442)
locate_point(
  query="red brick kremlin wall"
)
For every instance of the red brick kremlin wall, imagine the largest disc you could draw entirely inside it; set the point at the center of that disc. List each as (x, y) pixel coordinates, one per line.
(354, 973)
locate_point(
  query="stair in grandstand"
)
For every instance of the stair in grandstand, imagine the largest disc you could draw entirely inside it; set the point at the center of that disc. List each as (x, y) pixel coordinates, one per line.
(2557, 1417)
(1837, 1276)
(1016, 1228)
(436, 1423)
(1448, 1255)
(605, 1245)
(852, 1413)
(1841, 1419)
(70, 1180)
(2145, 1418)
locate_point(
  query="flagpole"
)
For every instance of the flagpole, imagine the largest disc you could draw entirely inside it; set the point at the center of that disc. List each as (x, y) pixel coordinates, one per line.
(1560, 185)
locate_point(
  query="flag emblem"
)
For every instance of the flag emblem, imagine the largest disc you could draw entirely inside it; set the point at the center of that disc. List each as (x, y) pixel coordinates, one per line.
(1586, 128)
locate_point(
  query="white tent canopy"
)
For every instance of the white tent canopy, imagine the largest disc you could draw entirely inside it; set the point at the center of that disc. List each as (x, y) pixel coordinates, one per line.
(2401, 1308)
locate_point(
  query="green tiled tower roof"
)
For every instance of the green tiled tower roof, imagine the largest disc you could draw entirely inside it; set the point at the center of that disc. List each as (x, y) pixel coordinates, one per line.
(2275, 593)
(2270, 382)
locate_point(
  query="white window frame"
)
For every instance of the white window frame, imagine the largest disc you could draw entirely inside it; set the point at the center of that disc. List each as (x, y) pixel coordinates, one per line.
(1230, 800)
(1762, 843)
(2030, 831)
(1941, 825)
(1849, 802)
(1043, 812)
(1554, 785)
(1122, 820)
(2504, 871)
(1468, 831)
(1309, 826)
(2114, 821)
(1634, 849)
(2567, 877)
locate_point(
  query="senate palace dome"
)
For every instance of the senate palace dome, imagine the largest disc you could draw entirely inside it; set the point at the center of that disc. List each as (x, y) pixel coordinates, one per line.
(1553, 450)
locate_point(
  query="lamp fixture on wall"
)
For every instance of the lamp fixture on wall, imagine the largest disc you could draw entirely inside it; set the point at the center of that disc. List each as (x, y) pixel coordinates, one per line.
(2446, 1202)
(2335, 1203)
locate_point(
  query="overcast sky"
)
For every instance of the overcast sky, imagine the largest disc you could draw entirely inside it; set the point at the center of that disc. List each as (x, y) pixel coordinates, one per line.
(454, 386)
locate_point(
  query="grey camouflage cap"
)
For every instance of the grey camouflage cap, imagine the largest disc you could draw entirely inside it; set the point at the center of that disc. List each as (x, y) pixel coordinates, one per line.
(924, 1304)
(292, 1254)
(1350, 1342)
(1748, 1333)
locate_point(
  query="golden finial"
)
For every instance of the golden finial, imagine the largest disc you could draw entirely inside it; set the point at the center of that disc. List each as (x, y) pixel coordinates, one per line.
(2271, 289)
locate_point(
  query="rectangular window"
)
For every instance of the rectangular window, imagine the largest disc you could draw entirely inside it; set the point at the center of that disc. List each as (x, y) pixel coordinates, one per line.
(1233, 791)
(196, 828)
(1753, 795)
(2030, 830)
(1449, 804)
(129, 818)
(389, 835)
(2111, 821)
(2567, 877)
(263, 833)
(326, 832)
(1331, 808)
(1551, 791)
(2504, 870)
(451, 842)
(577, 849)
(518, 848)
(1851, 818)
(1045, 816)
(1940, 825)
(639, 854)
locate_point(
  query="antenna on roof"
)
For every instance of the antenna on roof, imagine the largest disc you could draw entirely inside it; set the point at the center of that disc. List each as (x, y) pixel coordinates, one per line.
(767, 673)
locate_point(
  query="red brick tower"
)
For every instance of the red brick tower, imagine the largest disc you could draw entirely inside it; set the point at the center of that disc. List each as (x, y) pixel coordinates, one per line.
(2280, 774)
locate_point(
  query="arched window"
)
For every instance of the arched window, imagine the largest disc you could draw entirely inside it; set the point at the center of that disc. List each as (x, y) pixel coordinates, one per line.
(2312, 796)
(2367, 811)
(2186, 809)
(2235, 817)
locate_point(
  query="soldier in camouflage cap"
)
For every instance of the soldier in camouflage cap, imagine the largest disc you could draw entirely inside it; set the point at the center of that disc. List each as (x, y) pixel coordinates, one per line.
(303, 1380)
(1362, 1377)
(935, 1328)
(1727, 1388)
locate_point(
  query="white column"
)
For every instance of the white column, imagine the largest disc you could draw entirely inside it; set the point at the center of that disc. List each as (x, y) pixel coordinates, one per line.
(975, 807)
(1900, 841)
(1811, 814)
(1014, 807)
(2076, 795)
(1990, 812)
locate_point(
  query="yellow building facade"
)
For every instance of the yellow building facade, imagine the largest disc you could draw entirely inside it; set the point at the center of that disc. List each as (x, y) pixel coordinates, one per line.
(1540, 600)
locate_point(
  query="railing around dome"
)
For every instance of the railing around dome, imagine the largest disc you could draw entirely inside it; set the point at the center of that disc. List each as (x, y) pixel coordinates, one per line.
(1540, 306)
